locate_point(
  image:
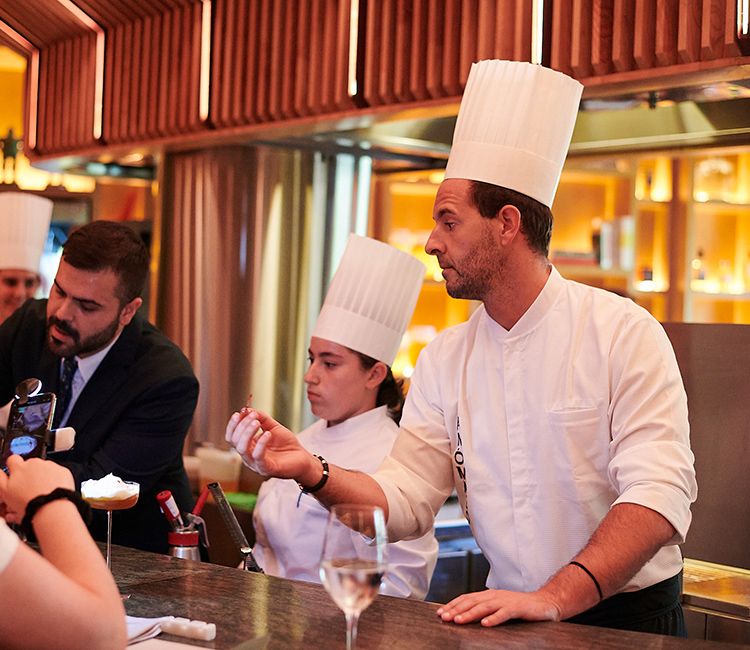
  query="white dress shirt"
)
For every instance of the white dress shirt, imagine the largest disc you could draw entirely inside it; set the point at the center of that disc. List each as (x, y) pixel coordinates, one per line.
(541, 429)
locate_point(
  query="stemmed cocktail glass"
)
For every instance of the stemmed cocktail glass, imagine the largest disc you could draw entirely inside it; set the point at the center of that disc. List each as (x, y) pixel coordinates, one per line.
(120, 502)
(353, 560)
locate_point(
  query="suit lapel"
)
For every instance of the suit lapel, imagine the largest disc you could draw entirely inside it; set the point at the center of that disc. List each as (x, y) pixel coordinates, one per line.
(108, 378)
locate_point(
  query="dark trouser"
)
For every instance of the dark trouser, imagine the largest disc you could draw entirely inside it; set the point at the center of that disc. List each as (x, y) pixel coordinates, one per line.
(655, 609)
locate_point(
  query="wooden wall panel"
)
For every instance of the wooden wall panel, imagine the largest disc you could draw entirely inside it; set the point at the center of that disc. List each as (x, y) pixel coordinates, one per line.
(522, 31)
(468, 29)
(452, 50)
(434, 51)
(66, 107)
(580, 38)
(343, 25)
(595, 38)
(421, 49)
(665, 46)
(419, 42)
(562, 25)
(402, 63)
(275, 61)
(601, 36)
(623, 23)
(644, 38)
(304, 59)
(689, 31)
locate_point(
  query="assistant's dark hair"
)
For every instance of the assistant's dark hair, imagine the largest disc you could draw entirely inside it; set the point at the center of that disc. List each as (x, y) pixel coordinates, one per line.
(102, 245)
(536, 218)
(390, 391)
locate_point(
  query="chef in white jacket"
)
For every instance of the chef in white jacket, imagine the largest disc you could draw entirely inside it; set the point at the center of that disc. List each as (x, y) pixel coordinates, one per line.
(24, 226)
(557, 411)
(352, 390)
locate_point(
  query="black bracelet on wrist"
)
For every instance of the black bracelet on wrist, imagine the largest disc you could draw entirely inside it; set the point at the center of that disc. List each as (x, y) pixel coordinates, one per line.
(319, 485)
(590, 575)
(32, 507)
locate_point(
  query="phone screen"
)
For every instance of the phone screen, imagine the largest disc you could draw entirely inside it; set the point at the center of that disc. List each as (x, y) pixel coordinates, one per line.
(28, 425)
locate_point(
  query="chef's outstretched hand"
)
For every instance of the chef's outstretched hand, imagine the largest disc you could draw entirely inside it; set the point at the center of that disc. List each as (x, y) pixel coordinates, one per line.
(496, 606)
(266, 446)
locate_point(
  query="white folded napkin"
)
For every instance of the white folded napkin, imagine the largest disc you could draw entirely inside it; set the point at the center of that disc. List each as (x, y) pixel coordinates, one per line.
(140, 629)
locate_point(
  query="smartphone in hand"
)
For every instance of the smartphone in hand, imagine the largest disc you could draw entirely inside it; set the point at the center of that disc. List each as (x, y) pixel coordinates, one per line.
(29, 423)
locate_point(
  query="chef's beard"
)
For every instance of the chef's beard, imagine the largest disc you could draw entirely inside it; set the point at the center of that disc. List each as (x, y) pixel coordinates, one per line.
(79, 347)
(475, 273)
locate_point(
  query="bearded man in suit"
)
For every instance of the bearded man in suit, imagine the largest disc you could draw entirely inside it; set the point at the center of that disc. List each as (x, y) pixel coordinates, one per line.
(126, 389)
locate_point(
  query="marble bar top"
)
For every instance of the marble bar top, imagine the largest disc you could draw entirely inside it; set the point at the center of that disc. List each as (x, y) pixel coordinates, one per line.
(254, 612)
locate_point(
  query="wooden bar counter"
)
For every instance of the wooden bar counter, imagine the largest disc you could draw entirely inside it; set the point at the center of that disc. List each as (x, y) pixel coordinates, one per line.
(254, 611)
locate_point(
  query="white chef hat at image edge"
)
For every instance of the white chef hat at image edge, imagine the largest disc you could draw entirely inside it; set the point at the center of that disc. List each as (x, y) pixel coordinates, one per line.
(24, 224)
(514, 127)
(371, 298)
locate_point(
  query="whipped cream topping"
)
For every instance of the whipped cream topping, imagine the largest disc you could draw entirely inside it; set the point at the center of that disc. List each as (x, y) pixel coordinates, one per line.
(109, 487)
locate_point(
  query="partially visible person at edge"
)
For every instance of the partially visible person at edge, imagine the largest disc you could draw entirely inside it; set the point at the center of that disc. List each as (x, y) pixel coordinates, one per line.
(557, 411)
(126, 389)
(352, 390)
(24, 225)
(64, 597)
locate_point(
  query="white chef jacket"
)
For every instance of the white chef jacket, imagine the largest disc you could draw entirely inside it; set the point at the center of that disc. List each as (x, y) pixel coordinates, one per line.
(541, 429)
(289, 539)
(8, 544)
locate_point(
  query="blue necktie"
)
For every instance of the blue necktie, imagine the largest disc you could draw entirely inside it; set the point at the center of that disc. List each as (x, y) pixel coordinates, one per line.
(69, 367)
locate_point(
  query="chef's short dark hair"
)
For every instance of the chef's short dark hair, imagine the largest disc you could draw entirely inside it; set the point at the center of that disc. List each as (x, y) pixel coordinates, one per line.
(102, 245)
(536, 218)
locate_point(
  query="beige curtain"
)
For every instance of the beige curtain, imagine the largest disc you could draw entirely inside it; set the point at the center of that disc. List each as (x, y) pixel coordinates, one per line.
(235, 269)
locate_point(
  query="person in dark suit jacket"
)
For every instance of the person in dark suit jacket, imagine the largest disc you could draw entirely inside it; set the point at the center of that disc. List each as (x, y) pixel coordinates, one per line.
(131, 411)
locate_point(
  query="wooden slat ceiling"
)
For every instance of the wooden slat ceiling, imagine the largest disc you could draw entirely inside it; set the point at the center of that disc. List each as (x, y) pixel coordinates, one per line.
(43, 22)
(40, 21)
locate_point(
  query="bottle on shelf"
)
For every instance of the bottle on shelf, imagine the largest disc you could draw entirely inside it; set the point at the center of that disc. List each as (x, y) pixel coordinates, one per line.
(698, 266)
(747, 273)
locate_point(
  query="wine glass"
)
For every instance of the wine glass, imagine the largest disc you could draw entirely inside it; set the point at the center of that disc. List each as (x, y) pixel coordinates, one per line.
(120, 502)
(353, 560)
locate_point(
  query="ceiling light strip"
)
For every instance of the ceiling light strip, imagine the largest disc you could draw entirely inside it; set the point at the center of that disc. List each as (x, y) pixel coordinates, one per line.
(88, 22)
(204, 90)
(743, 18)
(353, 45)
(537, 31)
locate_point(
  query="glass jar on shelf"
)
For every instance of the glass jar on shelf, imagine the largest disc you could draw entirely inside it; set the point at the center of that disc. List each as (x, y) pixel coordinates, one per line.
(714, 180)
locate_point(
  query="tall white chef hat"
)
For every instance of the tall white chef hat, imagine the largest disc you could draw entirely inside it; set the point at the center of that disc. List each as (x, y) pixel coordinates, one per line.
(514, 127)
(24, 224)
(371, 298)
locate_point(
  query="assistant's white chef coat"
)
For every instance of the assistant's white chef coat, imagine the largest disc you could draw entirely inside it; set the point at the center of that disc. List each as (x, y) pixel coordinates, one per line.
(289, 539)
(541, 429)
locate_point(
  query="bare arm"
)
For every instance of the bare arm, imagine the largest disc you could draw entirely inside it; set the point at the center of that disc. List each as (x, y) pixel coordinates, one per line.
(272, 450)
(625, 540)
(70, 589)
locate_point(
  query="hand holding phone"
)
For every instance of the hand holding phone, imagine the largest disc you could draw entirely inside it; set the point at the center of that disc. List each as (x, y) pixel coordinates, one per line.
(28, 432)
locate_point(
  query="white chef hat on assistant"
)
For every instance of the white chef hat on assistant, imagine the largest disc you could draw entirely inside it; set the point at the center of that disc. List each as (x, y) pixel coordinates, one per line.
(371, 298)
(514, 127)
(24, 225)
